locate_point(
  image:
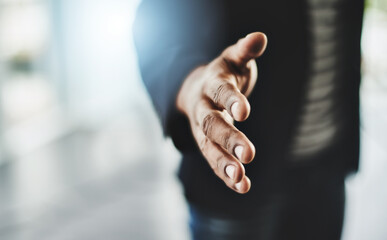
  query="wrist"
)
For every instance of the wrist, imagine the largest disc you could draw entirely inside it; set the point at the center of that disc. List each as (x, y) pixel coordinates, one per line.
(189, 90)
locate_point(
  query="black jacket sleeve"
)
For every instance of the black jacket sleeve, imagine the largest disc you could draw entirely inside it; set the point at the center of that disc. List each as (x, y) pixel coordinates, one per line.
(172, 37)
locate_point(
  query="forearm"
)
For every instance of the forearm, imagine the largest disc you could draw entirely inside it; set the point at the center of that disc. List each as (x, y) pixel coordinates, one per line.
(171, 38)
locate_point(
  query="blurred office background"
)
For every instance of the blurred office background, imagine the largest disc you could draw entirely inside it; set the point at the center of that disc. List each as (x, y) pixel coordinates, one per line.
(81, 153)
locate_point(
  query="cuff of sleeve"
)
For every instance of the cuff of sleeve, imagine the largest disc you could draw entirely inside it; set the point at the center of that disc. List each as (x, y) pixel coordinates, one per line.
(182, 65)
(175, 123)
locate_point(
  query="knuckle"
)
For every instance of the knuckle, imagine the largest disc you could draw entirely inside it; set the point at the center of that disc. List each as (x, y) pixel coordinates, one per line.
(208, 123)
(212, 165)
(203, 145)
(220, 92)
(226, 140)
(229, 139)
(217, 166)
(214, 168)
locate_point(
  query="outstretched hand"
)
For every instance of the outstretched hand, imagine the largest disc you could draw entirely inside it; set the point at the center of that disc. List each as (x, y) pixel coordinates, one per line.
(212, 97)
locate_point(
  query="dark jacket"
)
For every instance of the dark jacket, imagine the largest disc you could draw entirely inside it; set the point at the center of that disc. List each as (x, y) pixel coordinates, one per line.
(175, 36)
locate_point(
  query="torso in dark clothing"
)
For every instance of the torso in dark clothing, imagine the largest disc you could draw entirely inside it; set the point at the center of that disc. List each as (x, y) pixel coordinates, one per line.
(304, 117)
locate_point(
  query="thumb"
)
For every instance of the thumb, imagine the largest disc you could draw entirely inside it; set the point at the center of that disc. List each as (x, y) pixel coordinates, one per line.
(247, 48)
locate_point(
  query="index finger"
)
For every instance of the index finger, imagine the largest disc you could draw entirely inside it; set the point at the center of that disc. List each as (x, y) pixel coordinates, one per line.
(225, 95)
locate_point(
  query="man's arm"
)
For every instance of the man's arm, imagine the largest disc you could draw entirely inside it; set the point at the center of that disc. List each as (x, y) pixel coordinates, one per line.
(175, 40)
(172, 37)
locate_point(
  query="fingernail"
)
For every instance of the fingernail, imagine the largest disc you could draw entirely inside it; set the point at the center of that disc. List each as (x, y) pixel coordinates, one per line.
(238, 152)
(234, 109)
(238, 186)
(230, 170)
